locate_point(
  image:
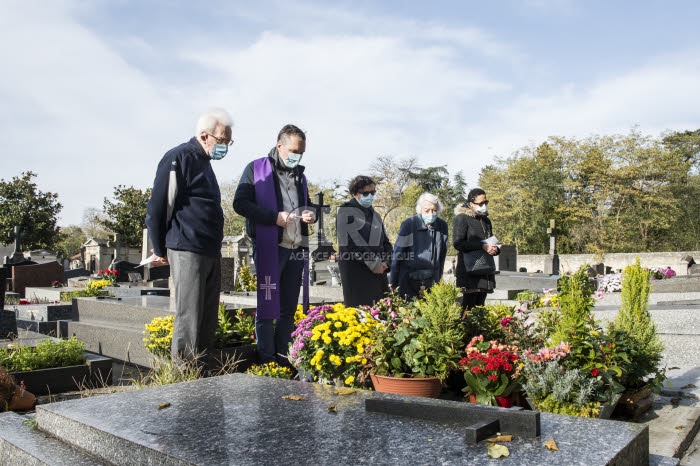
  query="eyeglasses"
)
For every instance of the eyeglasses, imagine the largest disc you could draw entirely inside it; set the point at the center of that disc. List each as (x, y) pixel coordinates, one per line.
(481, 203)
(222, 140)
(365, 194)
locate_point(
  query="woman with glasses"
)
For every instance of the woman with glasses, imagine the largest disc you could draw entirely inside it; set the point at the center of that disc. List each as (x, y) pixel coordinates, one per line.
(470, 230)
(364, 250)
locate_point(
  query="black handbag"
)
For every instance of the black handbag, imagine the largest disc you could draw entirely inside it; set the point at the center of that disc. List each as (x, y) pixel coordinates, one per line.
(478, 262)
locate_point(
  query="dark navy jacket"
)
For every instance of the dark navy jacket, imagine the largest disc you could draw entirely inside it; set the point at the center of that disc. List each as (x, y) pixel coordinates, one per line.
(196, 221)
(244, 202)
(418, 248)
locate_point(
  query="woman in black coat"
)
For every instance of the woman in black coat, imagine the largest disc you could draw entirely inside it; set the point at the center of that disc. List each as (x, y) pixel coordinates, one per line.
(364, 250)
(470, 228)
(420, 249)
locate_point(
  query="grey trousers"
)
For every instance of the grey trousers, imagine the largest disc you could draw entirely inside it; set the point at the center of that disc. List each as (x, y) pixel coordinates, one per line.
(197, 281)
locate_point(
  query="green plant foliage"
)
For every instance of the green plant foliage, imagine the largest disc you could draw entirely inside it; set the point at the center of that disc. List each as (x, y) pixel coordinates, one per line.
(425, 339)
(35, 212)
(634, 321)
(576, 303)
(126, 216)
(246, 281)
(45, 355)
(485, 320)
(234, 330)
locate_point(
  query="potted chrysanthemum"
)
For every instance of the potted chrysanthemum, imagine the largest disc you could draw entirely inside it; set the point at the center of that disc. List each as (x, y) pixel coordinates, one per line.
(329, 343)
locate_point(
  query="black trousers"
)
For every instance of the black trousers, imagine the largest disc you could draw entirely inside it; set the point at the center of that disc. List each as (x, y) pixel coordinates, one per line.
(470, 300)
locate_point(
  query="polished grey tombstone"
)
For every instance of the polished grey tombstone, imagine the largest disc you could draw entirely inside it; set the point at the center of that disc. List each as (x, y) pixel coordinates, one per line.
(242, 419)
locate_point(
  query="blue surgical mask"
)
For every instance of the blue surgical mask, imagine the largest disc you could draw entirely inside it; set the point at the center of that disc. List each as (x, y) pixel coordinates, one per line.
(292, 160)
(219, 151)
(366, 200)
(429, 218)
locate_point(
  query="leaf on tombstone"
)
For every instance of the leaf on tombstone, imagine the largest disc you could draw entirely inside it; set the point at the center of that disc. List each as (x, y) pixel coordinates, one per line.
(679, 427)
(551, 445)
(675, 401)
(295, 397)
(163, 405)
(673, 368)
(496, 451)
(344, 391)
(500, 438)
(332, 409)
(690, 385)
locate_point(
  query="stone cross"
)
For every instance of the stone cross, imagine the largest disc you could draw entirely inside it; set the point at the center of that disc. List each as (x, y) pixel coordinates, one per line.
(320, 248)
(17, 255)
(322, 209)
(117, 246)
(18, 240)
(552, 231)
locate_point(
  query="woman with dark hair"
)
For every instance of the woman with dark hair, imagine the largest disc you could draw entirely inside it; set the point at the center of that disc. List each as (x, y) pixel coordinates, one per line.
(470, 230)
(364, 251)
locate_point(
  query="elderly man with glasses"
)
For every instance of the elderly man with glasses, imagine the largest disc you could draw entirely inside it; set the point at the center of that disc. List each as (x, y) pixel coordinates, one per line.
(186, 223)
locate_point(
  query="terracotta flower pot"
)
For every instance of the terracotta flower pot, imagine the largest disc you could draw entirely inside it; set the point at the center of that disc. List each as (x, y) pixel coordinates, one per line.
(427, 387)
(22, 400)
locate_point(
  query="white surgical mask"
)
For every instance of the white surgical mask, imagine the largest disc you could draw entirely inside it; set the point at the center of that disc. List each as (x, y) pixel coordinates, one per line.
(292, 160)
(482, 209)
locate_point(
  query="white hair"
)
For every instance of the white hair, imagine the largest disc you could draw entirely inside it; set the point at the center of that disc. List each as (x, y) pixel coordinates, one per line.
(211, 118)
(427, 197)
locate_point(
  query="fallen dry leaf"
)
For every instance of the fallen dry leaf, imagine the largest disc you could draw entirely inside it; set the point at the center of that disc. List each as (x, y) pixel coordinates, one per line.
(673, 368)
(690, 385)
(344, 391)
(551, 445)
(500, 438)
(675, 401)
(496, 451)
(295, 397)
(332, 409)
(163, 405)
(679, 427)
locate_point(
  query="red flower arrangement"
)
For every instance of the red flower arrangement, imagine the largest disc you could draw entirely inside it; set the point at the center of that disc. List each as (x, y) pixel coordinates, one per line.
(107, 274)
(489, 370)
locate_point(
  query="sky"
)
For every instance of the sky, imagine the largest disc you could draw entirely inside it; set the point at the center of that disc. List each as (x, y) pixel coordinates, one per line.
(94, 92)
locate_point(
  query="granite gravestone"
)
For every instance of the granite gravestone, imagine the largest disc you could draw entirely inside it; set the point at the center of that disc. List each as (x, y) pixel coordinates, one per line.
(36, 275)
(243, 419)
(507, 259)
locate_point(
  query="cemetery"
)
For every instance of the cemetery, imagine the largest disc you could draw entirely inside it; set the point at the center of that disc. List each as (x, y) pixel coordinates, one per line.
(127, 317)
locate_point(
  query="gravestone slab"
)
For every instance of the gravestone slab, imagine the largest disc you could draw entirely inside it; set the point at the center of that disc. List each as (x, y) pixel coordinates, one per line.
(37, 275)
(228, 274)
(233, 419)
(8, 323)
(75, 273)
(507, 259)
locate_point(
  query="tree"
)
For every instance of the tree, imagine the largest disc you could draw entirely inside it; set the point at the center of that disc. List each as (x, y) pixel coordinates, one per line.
(234, 224)
(92, 223)
(34, 211)
(126, 216)
(70, 240)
